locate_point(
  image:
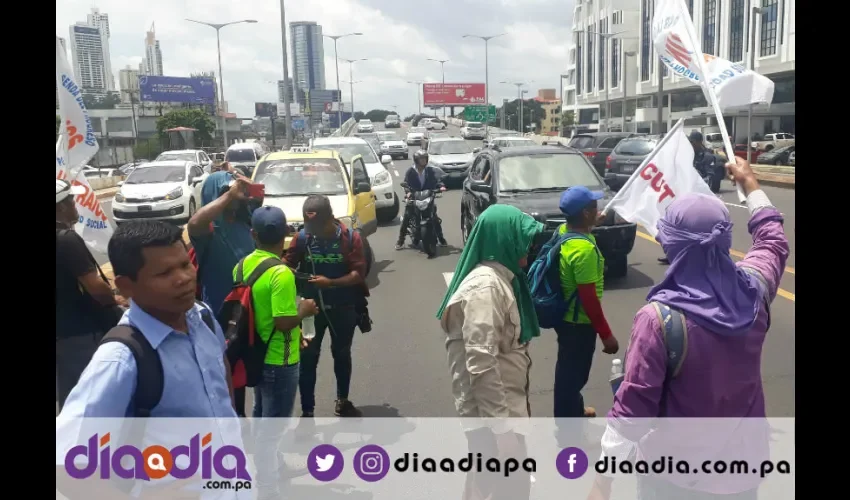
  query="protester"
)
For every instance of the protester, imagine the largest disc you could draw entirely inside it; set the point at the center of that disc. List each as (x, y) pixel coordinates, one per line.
(582, 269)
(726, 311)
(489, 320)
(86, 307)
(419, 177)
(333, 255)
(220, 233)
(277, 315)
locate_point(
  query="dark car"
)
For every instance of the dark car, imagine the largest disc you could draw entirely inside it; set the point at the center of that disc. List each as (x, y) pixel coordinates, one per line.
(532, 179)
(627, 156)
(778, 156)
(596, 146)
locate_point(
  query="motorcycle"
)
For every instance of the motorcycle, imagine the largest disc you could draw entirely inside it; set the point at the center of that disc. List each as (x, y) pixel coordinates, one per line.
(423, 217)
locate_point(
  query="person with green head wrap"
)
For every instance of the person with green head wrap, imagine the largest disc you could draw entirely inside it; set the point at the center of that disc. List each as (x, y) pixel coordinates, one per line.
(489, 319)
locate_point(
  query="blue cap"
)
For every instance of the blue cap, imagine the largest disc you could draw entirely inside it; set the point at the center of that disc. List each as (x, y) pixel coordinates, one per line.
(269, 223)
(575, 199)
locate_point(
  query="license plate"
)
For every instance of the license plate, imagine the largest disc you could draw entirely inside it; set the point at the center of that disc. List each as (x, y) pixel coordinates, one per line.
(627, 169)
(144, 208)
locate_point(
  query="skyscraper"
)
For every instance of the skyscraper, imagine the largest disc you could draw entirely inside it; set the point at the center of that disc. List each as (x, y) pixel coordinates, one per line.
(128, 83)
(153, 54)
(87, 57)
(308, 55)
(101, 21)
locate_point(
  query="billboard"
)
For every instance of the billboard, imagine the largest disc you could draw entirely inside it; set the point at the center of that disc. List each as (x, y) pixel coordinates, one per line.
(294, 109)
(175, 89)
(453, 94)
(266, 109)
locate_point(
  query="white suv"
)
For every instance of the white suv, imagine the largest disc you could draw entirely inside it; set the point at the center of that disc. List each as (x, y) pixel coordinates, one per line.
(387, 203)
(365, 125)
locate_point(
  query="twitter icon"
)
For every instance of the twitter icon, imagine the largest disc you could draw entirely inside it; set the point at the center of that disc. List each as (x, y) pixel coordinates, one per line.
(325, 462)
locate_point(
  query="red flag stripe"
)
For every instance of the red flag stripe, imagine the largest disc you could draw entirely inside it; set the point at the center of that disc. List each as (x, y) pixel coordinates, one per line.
(678, 54)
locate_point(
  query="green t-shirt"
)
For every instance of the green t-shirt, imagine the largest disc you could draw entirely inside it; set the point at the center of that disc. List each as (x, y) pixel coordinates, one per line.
(274, 296)
(580, 264)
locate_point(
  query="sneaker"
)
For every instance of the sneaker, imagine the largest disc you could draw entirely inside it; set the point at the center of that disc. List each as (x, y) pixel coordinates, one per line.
(399, 246)
(444, 243)
(344, 408)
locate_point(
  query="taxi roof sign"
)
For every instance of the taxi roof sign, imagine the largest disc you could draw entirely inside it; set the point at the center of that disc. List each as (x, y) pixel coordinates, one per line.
(301, 149)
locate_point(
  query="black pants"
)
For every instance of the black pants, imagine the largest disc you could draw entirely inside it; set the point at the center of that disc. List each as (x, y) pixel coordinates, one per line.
(72, 356)
(341, 321)
(408, 216)
(576, 345)
(481, 485)
(239, 401)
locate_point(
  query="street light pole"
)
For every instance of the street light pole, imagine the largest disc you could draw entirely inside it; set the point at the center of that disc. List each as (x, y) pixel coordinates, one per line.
(486, 72)
(351, 79)
(335, 38)
(443, 71)
(217, 27)
(418, 97)
(519, 93)
(756, 11)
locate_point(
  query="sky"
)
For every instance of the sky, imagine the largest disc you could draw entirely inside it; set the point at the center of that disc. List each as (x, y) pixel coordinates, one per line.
(398, 38)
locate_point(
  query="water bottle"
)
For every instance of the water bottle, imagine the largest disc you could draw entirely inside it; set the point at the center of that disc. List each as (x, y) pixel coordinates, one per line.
(617, 375)
(308, 327)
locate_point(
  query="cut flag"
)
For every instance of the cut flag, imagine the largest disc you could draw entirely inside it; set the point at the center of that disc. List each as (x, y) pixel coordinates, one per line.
(674, 38)
(666, 173)
(74, 122)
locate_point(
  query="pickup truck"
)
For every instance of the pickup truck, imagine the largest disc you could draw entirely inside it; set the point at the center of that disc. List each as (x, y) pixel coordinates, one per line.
(773, 141)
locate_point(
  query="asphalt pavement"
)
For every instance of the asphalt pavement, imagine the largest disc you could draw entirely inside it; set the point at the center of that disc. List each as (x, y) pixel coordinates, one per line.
(400, 367)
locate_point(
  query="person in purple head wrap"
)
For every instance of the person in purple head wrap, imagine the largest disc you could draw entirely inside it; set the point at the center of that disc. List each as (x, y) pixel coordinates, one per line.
(726, 310)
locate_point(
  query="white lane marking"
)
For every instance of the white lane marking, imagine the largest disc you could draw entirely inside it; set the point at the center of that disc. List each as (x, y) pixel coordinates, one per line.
(395, 172)
(448, 278)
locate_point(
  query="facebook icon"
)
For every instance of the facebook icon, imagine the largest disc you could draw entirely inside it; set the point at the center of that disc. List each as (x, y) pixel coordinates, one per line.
(571, 463)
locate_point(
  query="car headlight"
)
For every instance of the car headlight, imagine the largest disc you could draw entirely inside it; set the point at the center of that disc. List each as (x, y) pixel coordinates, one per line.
(174, 194)
(119, 197)
(381, 178)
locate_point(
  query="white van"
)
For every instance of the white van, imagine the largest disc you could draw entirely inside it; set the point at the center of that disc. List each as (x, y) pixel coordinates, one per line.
(244, 156)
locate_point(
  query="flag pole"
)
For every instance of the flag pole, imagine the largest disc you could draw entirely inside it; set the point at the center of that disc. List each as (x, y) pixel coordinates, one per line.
(712, 97)
(676, 128)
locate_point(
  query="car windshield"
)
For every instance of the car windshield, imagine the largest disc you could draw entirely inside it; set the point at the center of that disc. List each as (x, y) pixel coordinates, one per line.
(300, 177)
(176, 156)
(388, 136)
(449, 148)
(474, 125)
(240, 155)
(417, 130)
(546, 172)
(349, 151)
(635, 147)
(392, 117)
(156, 175)
(582, 142)
(509, 143)
(365, 122)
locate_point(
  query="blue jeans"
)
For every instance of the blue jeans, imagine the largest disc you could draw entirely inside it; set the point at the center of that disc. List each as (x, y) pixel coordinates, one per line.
(274, 400)
(341, 322)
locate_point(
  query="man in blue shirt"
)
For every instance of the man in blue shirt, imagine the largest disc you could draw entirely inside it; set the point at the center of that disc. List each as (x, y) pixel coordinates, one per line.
(419, 177)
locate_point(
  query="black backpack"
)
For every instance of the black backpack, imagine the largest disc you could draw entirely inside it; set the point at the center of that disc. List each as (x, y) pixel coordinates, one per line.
(150, 378)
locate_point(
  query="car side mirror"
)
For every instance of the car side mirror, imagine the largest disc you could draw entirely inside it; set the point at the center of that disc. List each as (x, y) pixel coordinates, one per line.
(610, 180)
(362, 187)
(386, 159)
(480, 187)
(475, 150)
(120, 183)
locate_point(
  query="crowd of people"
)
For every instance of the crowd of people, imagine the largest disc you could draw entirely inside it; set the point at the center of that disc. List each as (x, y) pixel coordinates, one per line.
(166, 305)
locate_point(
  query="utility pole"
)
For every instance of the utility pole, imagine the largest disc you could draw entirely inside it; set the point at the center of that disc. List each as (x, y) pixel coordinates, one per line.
(287, 112)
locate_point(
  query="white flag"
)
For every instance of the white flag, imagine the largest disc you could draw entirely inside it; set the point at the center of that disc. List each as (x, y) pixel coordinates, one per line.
(666, 173)
(676, 42)
(75, 124)
(94, 226)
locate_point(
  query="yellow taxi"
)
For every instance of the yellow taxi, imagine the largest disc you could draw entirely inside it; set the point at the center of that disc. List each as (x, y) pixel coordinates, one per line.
(291, 176)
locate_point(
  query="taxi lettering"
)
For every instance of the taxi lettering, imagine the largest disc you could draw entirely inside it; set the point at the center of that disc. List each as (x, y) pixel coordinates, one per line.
(656, 178)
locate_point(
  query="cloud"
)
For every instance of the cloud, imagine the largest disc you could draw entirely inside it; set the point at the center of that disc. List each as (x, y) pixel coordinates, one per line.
(399, 37)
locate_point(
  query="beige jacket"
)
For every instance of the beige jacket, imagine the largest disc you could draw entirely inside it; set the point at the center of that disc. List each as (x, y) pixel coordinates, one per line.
(489, 367)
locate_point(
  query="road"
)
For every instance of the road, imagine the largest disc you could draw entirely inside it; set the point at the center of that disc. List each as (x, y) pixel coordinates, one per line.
(400, 367)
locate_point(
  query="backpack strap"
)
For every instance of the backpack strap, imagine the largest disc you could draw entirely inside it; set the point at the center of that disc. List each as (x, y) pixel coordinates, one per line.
(674, 330)
(261, 268)
(573, 299)
(207, 316)
(149, 373)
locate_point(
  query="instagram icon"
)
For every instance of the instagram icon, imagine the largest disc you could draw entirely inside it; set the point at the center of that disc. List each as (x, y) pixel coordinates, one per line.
(371, 463)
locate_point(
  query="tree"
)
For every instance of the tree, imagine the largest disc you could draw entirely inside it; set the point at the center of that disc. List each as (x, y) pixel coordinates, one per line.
(358, 116)
(565, 121)
(409, 118)
(194, 118)
(109, 101)
(532, 112)
(378, 115)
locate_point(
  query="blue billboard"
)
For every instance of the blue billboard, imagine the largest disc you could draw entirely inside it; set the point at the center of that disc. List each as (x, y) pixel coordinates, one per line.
(175, 89)
(333, 118)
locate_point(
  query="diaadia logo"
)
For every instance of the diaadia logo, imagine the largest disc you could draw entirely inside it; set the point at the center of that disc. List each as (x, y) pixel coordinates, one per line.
(156, 462)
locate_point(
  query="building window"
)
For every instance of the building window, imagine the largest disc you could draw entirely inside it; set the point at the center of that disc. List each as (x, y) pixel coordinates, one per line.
(709, 26)
(736, 31)
(646, 49)
(590, 55)
(617, 17)
(579, 60)
(615, 62)
(603, 53)
(768, 28)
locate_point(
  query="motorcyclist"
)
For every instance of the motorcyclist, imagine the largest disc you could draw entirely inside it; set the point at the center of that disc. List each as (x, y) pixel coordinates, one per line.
(419, 177)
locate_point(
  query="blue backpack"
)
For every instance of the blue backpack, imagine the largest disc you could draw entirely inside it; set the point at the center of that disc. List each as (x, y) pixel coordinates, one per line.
(544, 280)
